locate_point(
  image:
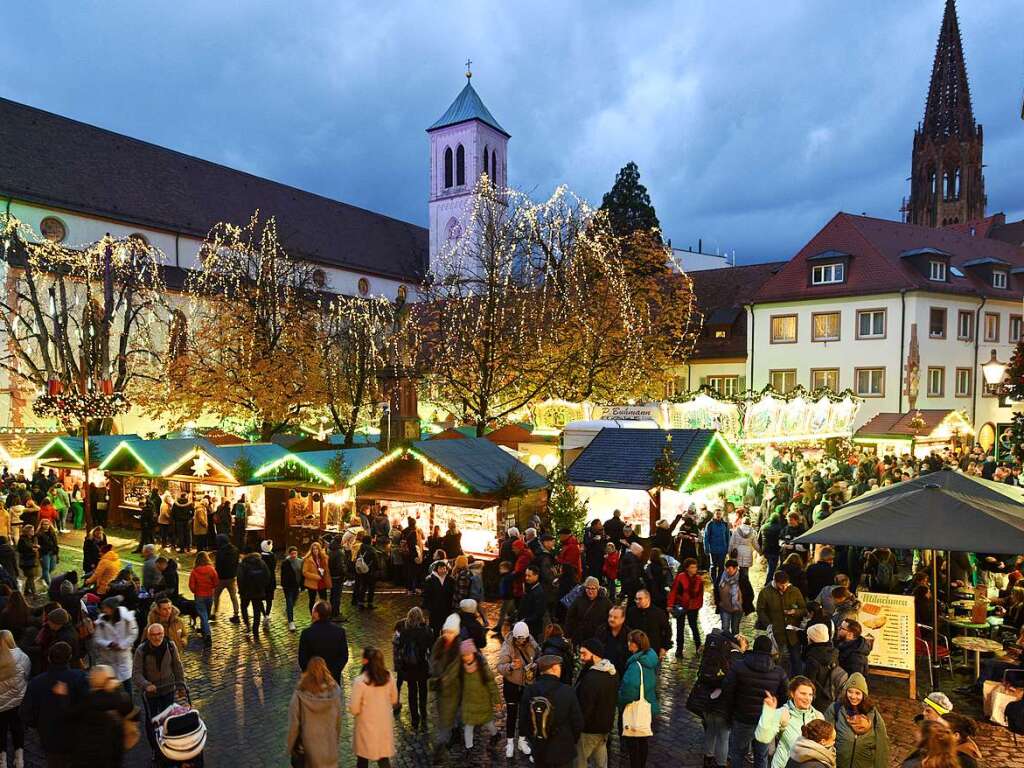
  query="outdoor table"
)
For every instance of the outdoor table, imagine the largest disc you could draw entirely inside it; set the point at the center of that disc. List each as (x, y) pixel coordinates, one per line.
(966, 625)
(977, 645)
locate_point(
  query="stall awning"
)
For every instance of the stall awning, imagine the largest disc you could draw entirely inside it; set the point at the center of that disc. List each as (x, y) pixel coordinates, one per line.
(67, 451)
(625, 458)
(317, 468)
(925, 425)
(150, 458)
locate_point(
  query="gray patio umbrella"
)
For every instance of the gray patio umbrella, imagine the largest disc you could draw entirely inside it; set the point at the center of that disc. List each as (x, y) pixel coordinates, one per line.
(939, 511)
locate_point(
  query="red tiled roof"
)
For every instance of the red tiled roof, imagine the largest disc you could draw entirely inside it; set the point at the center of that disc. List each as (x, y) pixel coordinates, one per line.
(899, 423)
(875, 265)
(728, 288)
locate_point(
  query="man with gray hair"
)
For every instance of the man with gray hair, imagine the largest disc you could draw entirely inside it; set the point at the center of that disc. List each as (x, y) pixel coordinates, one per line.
(530, 537)
(151, 576)
(588, 612)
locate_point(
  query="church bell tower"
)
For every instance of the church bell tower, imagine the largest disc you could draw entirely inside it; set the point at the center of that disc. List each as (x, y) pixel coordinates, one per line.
(947, 185)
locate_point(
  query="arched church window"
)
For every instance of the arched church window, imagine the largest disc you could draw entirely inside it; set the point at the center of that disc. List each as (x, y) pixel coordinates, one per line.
(447, 167)
(947, 183)
(460, 165)
(486, 161)
(494, 165)
(957, 184)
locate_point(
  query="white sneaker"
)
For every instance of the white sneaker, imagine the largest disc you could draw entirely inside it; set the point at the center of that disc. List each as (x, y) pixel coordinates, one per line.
(524, 745)
(19, 758)
(3, 759)
(291, 626)
(510, 751)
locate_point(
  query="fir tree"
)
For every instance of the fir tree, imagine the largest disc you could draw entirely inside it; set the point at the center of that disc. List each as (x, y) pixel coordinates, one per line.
(629, 206)
(565, 508)
(1015, 373)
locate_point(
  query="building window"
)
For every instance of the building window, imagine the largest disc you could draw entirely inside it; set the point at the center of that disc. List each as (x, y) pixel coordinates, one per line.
(364, 286)
(448, 175)
(494, 165)
(937, 271)
(825, 274)
(964, 380)
(53, 229)
(991, 326)
(825, 378)
(869, 382)
(1015, 326)
(460, 166)
(871, 324)
(783, 381)
(999, 278)
(783, 329)
(825, 326)
(487, 161)
(723, 385)
(721, 334)
(936, 382)
(937, 323)
(965, 325)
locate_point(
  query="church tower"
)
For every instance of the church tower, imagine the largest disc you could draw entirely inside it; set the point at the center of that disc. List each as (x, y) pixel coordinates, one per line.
(465, 142)
(946, 184)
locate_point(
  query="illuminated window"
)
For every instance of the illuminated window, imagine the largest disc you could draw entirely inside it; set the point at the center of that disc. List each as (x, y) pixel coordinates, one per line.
(991, 326)
(825, 378)
(783, 329)
(783, 381)
(825, 326)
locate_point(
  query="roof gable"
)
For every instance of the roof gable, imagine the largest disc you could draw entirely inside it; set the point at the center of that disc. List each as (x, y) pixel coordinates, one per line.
(151, 457)
(478, 463)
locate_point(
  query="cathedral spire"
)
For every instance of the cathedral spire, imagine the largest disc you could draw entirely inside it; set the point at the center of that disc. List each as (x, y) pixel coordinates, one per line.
(948, 111)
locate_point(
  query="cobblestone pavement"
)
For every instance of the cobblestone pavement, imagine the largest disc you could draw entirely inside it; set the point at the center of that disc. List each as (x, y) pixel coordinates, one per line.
(243, 690)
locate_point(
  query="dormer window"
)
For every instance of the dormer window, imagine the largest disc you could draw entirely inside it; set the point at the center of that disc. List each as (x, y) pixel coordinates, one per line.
(999, 278)
(828, 274)
(937, 271)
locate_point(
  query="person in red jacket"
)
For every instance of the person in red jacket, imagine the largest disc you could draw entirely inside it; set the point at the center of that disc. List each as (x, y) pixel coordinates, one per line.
(685, 599)
(524, 556)
(610, 569)
(570, 553)
(202, 582)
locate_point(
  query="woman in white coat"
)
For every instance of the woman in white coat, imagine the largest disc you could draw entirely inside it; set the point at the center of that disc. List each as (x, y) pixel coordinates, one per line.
(15, 669)
(116, 632)
(744, 542)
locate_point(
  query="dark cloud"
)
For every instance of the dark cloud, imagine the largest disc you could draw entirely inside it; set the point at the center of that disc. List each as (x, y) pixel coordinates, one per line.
(752, 122)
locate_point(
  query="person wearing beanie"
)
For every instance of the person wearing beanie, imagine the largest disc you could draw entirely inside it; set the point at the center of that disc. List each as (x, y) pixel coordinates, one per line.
(563, 718)
(597, 687)
(814, 747)
(861, 737)
(742, 697)
(631, 572)
(470, 626)
(479, 697)
(445, 671)
(517, 669)
(57, 628)
(821, 665)
(588, 612)
(936, 704)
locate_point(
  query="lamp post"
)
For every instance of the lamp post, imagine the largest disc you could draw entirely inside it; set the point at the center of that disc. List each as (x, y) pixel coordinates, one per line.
(994, 371)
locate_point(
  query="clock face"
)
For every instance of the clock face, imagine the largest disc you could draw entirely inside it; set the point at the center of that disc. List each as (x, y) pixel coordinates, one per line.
(53, 229)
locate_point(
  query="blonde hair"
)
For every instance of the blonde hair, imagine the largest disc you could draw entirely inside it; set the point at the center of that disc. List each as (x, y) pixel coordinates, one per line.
(317, 677)
(7, 664)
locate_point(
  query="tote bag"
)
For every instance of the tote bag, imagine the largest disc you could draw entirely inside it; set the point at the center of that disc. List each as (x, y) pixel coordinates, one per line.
(636, 717)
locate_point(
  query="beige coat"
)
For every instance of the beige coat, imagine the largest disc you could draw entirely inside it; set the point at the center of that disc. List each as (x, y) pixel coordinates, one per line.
(201, 523)
(314, 721)
(373, 735)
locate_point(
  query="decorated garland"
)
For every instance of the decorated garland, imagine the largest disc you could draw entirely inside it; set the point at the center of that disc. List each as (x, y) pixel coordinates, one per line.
(71, 408)
(755, 396)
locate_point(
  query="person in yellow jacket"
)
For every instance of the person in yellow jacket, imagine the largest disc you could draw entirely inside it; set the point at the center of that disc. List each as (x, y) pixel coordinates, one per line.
(107, 570)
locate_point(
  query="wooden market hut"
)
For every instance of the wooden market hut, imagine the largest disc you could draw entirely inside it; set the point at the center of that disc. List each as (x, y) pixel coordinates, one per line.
(67, 451)
(468, 480)
(916, 432)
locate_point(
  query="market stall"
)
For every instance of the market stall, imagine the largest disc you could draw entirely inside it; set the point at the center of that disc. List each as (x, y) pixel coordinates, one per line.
(306, 494)
(472, 481)
(916, 432)
(616, 470)
(64, 453)
(18, 449)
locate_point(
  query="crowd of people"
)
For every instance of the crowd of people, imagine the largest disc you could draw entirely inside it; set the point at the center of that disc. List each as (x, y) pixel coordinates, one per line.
(584, 628)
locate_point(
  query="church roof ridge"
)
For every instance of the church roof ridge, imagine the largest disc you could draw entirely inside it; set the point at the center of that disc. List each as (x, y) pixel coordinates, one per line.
(467, 106)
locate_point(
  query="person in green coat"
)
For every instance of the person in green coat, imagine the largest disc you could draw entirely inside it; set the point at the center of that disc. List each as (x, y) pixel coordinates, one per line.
(642, 664)
(861, 738)
(479, 699)
(780, 606)
(446, 680)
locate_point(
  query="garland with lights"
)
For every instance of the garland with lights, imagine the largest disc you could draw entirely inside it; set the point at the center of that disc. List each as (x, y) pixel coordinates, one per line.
(71, 408)
(751, 396)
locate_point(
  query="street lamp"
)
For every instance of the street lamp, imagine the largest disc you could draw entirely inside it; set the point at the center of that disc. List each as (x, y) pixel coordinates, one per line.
(993, 371)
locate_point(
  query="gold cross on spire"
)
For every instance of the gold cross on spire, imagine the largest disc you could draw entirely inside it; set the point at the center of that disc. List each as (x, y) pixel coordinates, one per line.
(469, 69)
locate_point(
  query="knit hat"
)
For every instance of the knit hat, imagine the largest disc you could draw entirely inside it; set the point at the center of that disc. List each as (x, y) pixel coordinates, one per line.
(267, 546)
(60, 617)
(939, 701)
(857, 682)
(467, 646)
(817, 633)
(468, 605)
(452, 623)
(763, 644)
(548, 661)
(112, 602)
(520, 629)
(595, 646)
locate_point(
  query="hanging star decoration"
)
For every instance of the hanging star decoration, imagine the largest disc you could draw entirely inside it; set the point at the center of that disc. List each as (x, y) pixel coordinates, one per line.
(200, 466)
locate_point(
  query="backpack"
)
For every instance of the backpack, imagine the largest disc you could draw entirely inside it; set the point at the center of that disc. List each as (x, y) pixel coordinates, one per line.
(541, 712)
(833, 680)
(410, 655)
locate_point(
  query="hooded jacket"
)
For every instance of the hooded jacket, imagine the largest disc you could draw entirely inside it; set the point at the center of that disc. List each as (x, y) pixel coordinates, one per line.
(864, 742)
(510, 651)
(438, 596)
(314, 722)
(174, 627)
(744, 541)
(254, 580)
(745, 683)
(820, 663)
(565, 726)
(716, 537)
(597, 690)
(729, 598)
(771, 607)
(119, 631)
(570, 554)
(853, 654)
(810, 754)
(106, 571)
(159, 666)
(785, 723)
(687, 592)
(479, 693)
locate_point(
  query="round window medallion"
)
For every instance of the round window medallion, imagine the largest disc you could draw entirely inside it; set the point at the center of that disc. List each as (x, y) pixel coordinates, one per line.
(364, 286)
(53, 229)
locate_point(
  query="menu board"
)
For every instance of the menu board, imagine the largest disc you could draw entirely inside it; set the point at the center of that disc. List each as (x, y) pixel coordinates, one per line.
(889, 621)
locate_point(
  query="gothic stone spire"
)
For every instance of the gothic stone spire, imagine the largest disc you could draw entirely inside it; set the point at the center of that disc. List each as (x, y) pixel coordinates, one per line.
(948, 111)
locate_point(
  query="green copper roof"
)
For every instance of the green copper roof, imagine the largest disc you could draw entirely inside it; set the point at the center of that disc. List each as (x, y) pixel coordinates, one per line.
(467, 106)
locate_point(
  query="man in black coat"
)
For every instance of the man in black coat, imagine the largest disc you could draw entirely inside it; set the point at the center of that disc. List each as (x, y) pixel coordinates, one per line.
(853, 648)
(438, 595)
(45, 706)
(563, 721)
(614, 636)
(226, 564)
(597, 690)
(653, 621)
(822, 573)
(588, 612)
(743, 695)
(631, 572)
(613, 527)
(594, 540)
(324, 639)
(534, 604)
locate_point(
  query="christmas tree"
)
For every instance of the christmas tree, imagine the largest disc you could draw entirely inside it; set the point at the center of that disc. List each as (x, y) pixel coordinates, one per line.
(665, 472)
(1015, 373)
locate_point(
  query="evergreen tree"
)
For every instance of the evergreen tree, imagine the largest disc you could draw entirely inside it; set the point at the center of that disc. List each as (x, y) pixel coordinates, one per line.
(629, 206)
(565, 508)
(1015, 372)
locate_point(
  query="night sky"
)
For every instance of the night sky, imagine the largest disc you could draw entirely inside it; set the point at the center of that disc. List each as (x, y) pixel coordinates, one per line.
(752, 122)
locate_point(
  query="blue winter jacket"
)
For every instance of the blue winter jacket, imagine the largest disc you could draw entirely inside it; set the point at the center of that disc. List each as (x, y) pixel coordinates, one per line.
(716, 537)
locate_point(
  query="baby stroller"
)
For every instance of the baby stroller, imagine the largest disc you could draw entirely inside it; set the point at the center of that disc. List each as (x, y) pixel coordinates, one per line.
(176, 734)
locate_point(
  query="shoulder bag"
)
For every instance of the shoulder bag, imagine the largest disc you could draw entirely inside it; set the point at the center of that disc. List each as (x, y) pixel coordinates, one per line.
(636, 717)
